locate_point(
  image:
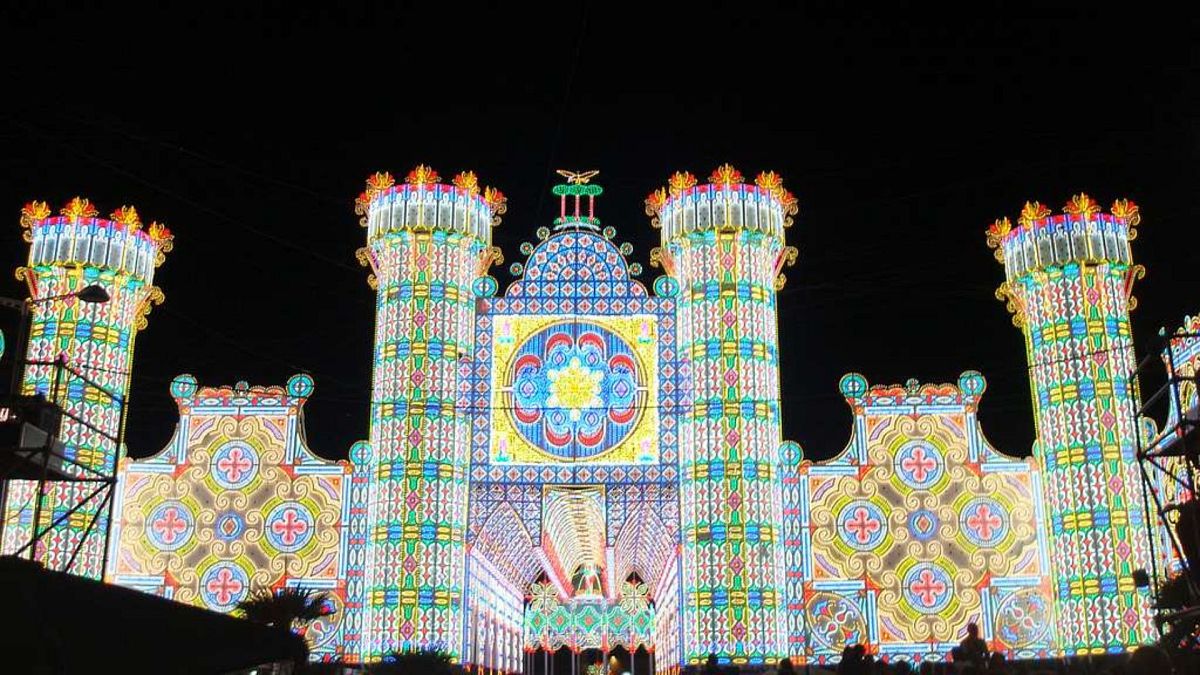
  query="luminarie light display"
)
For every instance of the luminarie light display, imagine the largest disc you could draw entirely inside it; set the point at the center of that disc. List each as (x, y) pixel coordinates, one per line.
(94, 341)
(590, 462)
(1068, 282)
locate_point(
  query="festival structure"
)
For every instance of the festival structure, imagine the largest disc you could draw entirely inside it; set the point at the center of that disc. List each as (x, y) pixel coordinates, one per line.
(587, 462)
(80, 356)
(1068, 282)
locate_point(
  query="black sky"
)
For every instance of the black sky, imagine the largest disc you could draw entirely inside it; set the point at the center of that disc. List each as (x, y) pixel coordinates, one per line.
(250, 132)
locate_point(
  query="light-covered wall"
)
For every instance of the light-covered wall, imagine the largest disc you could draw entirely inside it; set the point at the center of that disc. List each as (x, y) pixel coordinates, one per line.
(920, 527)
(237, 502)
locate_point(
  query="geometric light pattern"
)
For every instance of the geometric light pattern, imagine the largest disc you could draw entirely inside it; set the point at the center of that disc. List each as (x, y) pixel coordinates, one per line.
(237, 502)
(67, 253)
(723, 247)
(426, 244)
(585, 461)
(1068, 284)
(574, 390)
(920, 527)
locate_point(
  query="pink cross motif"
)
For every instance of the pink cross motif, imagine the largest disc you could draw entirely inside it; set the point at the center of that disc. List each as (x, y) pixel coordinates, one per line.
(919, 464)
(234, 465)
(224, 586)
(170, 525)
(983, 522)
(862, 525)
(928, 588)
(289, 527)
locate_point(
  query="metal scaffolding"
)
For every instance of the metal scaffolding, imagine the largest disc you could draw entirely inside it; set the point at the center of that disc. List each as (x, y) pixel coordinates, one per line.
(1169, 460)
(32, 449)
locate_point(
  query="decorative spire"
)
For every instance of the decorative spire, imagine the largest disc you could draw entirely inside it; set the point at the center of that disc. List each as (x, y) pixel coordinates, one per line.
(467, 180)
(163, 239)
(654, 204)
(578, 185)
(127, 216)
(995, 236)
(725, 176)
(376, 184)
(1032, 211)
(79, 207)
(680, 181)
(497, 202)
(1126, 210)
(578, 177)
(421, 176)
(1082, 205)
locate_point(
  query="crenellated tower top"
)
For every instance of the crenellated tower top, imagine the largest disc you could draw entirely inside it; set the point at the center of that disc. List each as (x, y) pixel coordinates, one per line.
(726, 204)
(79, 237)
(1082, 233)
(79, 240)
(423, 203)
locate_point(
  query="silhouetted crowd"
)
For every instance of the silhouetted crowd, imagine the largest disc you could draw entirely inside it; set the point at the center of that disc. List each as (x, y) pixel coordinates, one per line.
(972, 657)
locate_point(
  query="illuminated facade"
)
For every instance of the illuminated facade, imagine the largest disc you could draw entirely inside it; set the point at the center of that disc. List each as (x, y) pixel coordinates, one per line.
(237, 501)
(587, 461)
(1068, 283)
(919, 527)
(69, 252)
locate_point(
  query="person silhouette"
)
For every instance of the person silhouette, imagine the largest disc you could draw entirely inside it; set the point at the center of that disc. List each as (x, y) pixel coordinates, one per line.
(972, 649)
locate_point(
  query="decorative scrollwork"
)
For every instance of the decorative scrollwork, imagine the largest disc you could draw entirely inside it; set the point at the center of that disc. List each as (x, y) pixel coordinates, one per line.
(1012, 302)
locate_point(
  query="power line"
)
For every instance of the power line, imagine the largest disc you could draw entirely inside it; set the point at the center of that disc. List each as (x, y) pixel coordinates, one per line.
(193, 204)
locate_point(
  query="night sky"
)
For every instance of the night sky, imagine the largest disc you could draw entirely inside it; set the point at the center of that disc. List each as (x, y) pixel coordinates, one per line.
(903, 137)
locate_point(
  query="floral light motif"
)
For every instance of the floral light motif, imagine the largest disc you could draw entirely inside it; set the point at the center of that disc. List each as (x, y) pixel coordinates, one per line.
(467, 180)
(575, 390)
(496, 201)
(79, 207)
(33, 212)
(1082, 205)
(376, 184)
(725, 176)
(1032, 211)
(163, 239)
(996, 232)
(421, 176)
(1128, 211)
(127, 216)
(771, 182)
(654, 203)
(680, 181)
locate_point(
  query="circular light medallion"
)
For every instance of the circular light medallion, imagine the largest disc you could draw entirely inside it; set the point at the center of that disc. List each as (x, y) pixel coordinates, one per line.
(577, 390)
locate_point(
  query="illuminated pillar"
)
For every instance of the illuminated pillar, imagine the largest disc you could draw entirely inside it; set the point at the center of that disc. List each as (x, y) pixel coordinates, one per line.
(426, 244)
(723, 243)
(69, 252)
(1068, 280)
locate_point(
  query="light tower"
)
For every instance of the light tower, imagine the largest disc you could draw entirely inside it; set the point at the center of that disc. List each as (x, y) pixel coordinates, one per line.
(94, 343)
(724, 245)
(1068, 280)
(426, 243)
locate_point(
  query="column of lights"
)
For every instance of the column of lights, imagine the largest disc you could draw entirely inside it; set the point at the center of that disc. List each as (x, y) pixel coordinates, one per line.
(724, 242)
(69, 252)
(426, 244)
(1068, 281)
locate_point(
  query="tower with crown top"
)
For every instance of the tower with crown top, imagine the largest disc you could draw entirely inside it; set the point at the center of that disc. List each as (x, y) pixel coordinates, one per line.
(723, 243)
(93, 342)
(427, 241)
(1068, 282)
